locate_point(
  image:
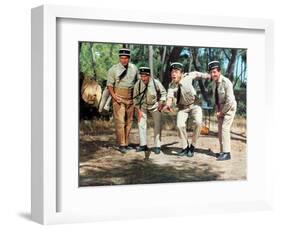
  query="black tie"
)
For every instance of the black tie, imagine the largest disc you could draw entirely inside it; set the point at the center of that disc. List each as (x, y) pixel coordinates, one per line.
(179, 94)
(217, 94)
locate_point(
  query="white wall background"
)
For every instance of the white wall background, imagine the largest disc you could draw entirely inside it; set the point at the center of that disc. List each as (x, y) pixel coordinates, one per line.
(15, 114)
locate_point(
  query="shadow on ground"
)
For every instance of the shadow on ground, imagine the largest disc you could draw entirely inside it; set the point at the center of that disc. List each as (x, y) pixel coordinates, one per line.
(136, 170)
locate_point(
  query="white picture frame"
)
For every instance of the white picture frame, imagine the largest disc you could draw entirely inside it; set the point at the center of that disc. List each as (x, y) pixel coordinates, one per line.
(47, 164)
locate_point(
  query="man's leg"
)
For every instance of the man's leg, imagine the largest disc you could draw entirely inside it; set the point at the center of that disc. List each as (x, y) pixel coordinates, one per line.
(142, 124)
(226, 123)
(220, 121)
(119, 118)
(226, 126)
(196, 113)
(156, 115)
(181, 125)
(128, 122)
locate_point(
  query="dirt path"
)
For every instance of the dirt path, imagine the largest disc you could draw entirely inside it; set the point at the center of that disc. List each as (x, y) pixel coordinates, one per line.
(101, 164)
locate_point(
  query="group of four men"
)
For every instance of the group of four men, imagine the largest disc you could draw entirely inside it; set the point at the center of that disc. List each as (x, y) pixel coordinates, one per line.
(132, 89)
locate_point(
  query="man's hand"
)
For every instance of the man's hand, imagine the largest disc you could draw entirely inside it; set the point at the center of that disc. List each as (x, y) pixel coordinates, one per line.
(220, 115)
(117, 98)
(113, 95)
(167, 108)
(139, 112)
(160, 106)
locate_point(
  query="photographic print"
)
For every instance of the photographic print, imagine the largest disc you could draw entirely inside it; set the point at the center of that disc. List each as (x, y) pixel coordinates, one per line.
(161, 114)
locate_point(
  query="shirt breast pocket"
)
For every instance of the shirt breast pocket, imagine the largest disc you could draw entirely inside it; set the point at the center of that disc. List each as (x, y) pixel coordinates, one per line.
(151, 99)
(222, 95)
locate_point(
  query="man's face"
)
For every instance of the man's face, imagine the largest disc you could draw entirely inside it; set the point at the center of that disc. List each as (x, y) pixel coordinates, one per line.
(145, 78)
(176, 75)
(215, 74)
(124, 60)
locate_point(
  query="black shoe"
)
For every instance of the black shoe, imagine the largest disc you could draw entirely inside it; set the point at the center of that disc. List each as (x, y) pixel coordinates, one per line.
(128, 147)
(190, 153)
(157, 150)
(122, 149)
(217, 155)
(183, 152)
(141, 148)
(224, 157)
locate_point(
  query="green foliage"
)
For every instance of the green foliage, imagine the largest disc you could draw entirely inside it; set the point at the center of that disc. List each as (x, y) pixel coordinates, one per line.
(97, 58)
(105, 55)
(86, 60)
(139, 55)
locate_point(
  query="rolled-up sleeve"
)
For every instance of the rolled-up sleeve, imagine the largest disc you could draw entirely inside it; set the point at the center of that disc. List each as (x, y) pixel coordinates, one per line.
(110, 77)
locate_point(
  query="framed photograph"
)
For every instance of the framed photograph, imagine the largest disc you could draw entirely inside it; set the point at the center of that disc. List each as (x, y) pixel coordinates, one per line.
(144, 114)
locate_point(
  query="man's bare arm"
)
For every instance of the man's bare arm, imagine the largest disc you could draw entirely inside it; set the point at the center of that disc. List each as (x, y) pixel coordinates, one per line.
(113, 95)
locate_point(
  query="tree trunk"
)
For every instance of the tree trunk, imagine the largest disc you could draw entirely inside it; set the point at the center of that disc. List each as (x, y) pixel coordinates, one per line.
(198, 67)
(173, 57)
(150, 58)
(230, 68)
(111, 50)
(207, 50)
(93, 59)
(236, 76)
(93, 53)
(207, 57)
(210, 52)
(190, 61)
(163, 61)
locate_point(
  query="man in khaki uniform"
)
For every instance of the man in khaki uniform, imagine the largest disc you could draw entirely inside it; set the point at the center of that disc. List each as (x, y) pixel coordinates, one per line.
(182, 89)
(225, 108)
(120, 83)
(149, 97)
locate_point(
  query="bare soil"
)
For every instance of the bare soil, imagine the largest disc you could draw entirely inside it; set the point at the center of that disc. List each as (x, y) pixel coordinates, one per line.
(102, 164)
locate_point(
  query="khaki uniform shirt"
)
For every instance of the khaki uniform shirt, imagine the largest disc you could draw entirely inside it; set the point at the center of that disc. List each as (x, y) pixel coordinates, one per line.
(149, 99)
(127, 82)
(187, 90)
(225, 92)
